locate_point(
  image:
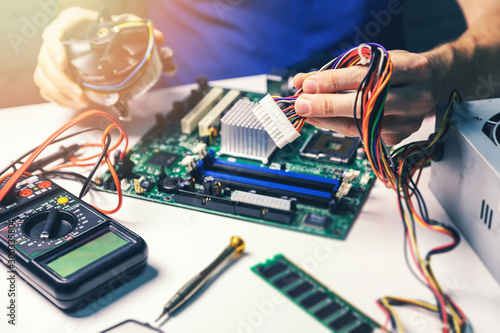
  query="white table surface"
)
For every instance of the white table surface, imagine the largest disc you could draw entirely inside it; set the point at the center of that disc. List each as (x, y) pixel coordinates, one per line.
(367, 265)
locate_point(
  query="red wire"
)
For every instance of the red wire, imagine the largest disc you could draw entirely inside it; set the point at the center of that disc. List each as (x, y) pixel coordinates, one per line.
(436, 293)
(384, 328)
(15, 177)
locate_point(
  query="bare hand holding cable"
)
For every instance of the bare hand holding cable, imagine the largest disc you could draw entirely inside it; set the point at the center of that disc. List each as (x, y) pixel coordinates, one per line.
(410, 98)
(51, 74)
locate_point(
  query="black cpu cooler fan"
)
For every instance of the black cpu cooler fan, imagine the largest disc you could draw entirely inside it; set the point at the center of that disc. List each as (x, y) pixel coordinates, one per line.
(116, 61)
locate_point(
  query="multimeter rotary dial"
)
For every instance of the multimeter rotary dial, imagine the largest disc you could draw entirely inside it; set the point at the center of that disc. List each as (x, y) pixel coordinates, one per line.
(49, 224)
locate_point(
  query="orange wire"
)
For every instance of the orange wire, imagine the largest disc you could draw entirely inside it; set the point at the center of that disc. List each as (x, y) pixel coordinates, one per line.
(15, 177)
(69, 165)
(10, 174)
(113, 171)
(75, 159)
(111, 168)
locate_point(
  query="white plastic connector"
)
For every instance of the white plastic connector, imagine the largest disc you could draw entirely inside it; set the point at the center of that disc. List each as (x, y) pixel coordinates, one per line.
(213, 116)
(261, 200)
(190, 121)
(349, 175)
(344, 189)
(200, 149)
(189, 162)
(125, 184)
(275, 122)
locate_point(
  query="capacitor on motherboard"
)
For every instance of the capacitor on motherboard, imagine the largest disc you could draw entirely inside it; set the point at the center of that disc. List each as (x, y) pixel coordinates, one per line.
(208, 185)
(217, 189)
(191, 183)
(169, 185)
(214, 130)
(184, 185)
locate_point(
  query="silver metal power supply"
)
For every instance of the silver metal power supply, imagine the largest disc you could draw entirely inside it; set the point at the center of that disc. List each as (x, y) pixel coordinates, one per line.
(466, 180)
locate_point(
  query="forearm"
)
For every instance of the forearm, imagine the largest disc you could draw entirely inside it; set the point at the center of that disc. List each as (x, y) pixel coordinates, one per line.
(471, 63)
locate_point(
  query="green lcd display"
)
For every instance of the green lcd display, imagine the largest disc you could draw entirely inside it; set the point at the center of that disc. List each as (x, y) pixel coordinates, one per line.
(86, 254)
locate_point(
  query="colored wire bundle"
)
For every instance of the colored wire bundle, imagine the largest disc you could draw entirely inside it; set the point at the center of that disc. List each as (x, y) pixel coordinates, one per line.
(102, 157)
(405, 162)
(350, 58)
(397, 170)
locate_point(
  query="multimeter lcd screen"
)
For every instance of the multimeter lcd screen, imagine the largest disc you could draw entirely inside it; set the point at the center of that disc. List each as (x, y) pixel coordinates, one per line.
(86, 254)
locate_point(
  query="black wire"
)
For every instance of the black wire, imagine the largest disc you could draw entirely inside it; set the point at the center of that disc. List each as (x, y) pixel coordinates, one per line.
(391, 317)
(438, 305)
(85, 186)
(420, 200)
(69, 175)
(405, 246)
(424, 213)
(403, 303)
(405, 241)
(18, 160)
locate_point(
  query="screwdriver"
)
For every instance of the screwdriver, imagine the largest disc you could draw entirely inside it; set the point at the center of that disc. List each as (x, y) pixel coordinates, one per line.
(232, 251)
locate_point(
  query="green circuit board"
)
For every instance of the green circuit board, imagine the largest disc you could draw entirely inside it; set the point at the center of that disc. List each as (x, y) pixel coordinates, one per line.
(327, 307)
(167, 167)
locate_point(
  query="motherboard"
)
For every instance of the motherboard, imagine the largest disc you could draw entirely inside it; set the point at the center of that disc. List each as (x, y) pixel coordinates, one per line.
(209, 153)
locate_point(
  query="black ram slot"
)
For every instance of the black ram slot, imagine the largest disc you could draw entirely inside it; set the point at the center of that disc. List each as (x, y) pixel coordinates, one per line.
(302, 198)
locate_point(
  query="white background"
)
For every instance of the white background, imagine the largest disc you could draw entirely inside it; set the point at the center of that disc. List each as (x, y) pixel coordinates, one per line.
(367, 265)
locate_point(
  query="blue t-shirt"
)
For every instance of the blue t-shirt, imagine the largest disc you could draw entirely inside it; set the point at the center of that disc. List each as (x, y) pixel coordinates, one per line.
(231, 38)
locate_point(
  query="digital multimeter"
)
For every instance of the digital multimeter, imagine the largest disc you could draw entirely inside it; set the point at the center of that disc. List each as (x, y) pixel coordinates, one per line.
(66, 249)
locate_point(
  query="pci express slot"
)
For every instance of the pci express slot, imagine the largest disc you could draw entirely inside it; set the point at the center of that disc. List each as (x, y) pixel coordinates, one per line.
(213, 117)
(303, 195)
(233, 207)
(303, 181)
(190, 121)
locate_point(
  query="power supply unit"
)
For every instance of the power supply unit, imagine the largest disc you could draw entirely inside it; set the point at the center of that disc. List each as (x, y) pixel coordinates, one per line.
(466, 179)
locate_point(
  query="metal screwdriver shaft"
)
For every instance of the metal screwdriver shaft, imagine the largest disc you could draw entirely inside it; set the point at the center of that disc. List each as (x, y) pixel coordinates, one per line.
(235, 249)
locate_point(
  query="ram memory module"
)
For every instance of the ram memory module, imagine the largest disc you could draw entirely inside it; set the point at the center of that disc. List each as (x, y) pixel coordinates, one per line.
(327, 307)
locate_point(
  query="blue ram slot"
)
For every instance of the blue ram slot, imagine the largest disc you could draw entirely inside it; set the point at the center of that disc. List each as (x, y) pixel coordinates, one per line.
(245, 180)
(278, 172)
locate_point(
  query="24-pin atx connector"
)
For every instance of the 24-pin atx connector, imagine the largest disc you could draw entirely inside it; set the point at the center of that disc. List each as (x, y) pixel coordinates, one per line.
(275, 121)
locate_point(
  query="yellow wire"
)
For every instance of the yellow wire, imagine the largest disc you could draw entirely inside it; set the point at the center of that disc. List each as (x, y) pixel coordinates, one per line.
(453, 100)
(414, 301)
(129, 24)
(454, 314)
(433, 308)
(428, 272)
(394, 314)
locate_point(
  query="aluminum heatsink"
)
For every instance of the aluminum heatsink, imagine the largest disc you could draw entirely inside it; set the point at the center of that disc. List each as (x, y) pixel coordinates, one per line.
(242, 135)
